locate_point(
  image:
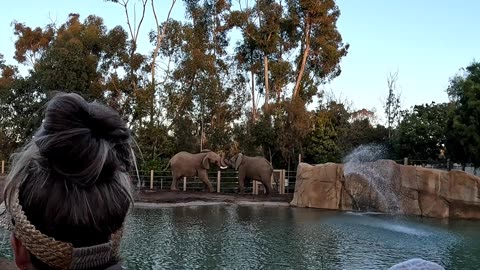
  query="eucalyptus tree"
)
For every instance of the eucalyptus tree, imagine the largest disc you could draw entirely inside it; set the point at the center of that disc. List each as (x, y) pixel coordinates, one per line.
(204, 93)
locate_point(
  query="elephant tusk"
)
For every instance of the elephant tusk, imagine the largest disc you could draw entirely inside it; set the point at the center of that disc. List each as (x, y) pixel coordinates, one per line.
(223, 168)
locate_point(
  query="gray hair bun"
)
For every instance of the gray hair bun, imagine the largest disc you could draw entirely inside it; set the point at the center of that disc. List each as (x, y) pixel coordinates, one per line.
(83, 142)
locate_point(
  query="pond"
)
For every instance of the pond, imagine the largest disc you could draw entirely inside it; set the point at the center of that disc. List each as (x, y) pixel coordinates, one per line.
(266, 237)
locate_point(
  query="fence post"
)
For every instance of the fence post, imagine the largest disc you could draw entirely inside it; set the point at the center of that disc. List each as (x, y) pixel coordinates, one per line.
(218, 181)
(282, 181)
(151, 179)
(184, 183)
(161, 183)
(299, 158)
(405, 161)
(3, 166)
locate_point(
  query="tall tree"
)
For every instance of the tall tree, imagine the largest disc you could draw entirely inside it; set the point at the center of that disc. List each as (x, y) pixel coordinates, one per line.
(321, 46)
(204, 91)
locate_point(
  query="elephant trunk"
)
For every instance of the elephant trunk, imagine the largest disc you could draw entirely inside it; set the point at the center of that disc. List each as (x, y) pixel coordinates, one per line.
(223, 165)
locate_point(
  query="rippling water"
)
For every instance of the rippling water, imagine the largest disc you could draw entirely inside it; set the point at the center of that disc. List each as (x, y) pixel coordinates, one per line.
(259, 237)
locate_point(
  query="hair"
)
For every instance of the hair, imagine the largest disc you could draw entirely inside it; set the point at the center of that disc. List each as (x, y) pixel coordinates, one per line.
(73, 176)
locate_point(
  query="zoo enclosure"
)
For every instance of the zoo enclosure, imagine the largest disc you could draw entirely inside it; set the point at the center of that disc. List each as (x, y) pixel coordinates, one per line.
(162, 180)
(225, 181)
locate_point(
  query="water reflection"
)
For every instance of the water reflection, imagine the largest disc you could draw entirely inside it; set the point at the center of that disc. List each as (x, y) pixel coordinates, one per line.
(262, 237)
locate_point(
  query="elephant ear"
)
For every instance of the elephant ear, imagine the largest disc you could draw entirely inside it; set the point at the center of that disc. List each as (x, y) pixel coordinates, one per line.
(206, 162)
(238, 161)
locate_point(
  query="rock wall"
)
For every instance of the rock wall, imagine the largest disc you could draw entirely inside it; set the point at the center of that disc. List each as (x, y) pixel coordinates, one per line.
(400, 189)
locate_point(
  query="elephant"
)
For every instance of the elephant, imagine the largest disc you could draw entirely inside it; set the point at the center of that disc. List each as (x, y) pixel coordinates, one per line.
(252, 168)
(185, 164)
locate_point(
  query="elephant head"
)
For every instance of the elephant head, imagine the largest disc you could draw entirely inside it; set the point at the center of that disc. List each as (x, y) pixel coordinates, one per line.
(252, 168)
(213, 157)
(236, 160)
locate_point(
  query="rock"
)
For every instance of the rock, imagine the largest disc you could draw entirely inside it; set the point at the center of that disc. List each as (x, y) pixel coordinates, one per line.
(400, 189)
(317, 186)
(433, 206)
(428, 180)
(408, 177)
(409, 201)
(416, 264)
(463, 186)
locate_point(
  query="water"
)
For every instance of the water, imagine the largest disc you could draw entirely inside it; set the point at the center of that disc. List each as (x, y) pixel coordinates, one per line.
(363, 162)
(259, 237)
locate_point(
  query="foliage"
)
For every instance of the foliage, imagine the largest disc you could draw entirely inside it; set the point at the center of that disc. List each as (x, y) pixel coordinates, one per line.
(191, 91)
(421, 133)
(337, 131)
(463, 126)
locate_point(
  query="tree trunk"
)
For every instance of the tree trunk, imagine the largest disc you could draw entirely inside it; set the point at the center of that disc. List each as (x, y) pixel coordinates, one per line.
(304, 59)
(267, 90)
(254, 107)
(160, 36)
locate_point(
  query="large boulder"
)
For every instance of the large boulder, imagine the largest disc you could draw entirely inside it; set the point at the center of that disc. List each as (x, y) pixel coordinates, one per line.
(386, 186)
(319, 186)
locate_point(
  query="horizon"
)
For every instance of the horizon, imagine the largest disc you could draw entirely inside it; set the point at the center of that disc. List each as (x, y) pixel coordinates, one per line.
(427, 44)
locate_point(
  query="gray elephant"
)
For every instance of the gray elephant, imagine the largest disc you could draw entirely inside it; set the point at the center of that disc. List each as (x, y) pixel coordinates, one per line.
(252, 168)
(185, 164)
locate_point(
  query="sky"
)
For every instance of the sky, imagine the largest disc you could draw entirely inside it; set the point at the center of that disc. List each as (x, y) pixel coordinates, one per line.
(426, 41)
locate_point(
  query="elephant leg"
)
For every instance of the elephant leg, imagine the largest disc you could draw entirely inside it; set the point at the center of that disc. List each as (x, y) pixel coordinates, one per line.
(203, 175)
(241, 182)
(174, 185)
(266, 181)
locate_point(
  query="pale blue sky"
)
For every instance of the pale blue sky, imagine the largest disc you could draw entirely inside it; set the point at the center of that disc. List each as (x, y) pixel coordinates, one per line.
(427, 41)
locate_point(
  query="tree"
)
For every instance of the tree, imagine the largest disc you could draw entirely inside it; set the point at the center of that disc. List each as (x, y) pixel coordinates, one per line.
(31, 43)
(337, 130)
(260, 26)
(321, 145)
(421, 133)
(204, 90)
(77, 56)
(321, 46)
(463, 126)
(392, 104)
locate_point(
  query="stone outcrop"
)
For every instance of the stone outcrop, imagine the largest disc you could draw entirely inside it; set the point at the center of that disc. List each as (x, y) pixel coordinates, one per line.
(386, 186)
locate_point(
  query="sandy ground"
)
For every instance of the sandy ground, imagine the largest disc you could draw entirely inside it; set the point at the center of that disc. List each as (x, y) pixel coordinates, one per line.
(6, 265)
(180, 197)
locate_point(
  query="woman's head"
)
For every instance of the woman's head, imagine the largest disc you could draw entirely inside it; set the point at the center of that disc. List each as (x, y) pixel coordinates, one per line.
(71, 183)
